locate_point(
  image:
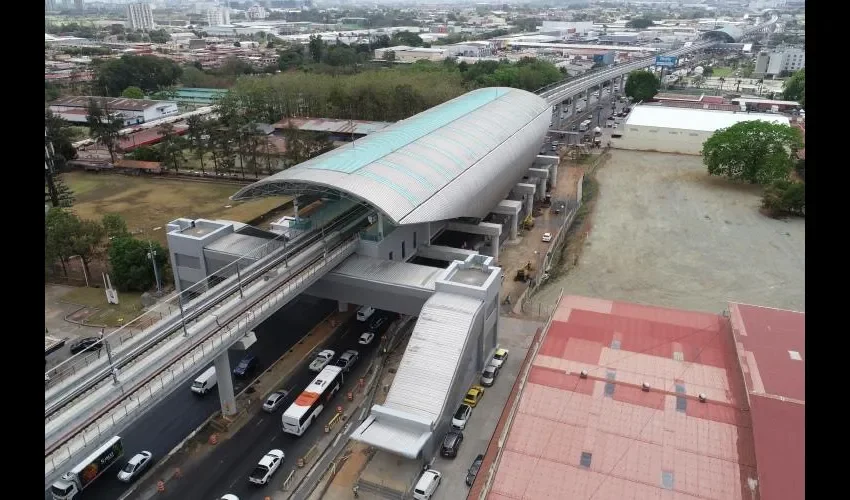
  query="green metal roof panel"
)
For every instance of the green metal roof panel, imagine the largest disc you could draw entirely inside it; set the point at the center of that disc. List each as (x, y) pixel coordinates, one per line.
(349, 159)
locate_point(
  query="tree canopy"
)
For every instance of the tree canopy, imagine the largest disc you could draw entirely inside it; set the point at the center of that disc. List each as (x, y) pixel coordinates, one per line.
(129, 264)
(639, 23)
(642, 85)
(66, 236)
(133, 92)
(755, 151)
(784, 197)
(149, 73)
(795, 88)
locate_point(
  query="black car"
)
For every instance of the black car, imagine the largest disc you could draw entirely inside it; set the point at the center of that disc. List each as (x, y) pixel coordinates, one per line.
(451, 443)
(86, 344)
(473, 470)
(377, 322)
(246, 366)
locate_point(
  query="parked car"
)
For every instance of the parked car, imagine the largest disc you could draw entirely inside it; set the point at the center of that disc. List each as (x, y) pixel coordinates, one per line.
(488, 376)
(366, 338)
(365, 312)
(473, 395)
(86, 344)
(135, 466)
(547, 237)
(229, 497)
(427, 484)
(246, 366)
(378, 320)
(473, 469)
(322, 360)
(274, 401)
(451, 443)
(499, 357)
(347, 360)
(268, 465)
(461, 417)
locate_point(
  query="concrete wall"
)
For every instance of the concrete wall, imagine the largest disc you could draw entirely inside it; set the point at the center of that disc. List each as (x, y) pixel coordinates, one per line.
(402, 236)
(397, 299)
(665, 140)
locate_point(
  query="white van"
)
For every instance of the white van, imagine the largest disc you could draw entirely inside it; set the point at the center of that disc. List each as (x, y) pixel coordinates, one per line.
(205, 381)
(365, 313)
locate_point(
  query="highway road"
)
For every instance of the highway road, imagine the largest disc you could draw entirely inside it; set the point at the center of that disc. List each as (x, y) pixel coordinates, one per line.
(570, 123)
(227, 468)
(168, 423)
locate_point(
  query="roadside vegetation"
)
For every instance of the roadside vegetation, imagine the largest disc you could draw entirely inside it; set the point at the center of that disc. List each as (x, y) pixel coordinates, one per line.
(758, 152)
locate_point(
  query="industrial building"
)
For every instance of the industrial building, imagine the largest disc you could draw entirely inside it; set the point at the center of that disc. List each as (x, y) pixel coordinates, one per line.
(679, 130)
(132, 111)
(621, 400)
(789, 60)
(218, 16)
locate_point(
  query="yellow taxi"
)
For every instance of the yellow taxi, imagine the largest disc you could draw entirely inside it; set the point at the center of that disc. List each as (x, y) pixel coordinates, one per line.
(473, 395)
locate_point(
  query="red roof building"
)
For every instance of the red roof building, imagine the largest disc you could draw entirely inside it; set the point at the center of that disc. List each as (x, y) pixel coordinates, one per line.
(625, 401)
(771, 345)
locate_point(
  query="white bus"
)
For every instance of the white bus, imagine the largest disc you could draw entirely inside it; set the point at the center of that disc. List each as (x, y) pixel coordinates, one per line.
(584, 126)
(310, 403)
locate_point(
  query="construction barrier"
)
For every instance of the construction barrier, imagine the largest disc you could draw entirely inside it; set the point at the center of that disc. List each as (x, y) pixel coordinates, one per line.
(350, 396)
(160, 486)
(300, 462)
(214, 438)
(339, 409)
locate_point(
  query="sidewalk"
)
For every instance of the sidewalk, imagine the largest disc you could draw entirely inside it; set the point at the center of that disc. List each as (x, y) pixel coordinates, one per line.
(195, 448)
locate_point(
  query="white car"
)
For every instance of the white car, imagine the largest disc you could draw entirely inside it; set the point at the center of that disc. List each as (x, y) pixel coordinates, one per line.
(547, 237)
(135, 466)
(461, 417)
(488, 376)
(229, 497)
(427, 484)
(499, 357)
(322, 360)
(274, 401)
(366, 338)
(268, 465)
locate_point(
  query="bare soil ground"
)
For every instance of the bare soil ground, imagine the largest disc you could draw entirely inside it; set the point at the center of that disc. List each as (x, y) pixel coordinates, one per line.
(148, 203)
(665, 233)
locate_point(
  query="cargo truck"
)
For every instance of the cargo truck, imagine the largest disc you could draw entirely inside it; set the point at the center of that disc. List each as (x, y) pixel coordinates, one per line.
(73, 482)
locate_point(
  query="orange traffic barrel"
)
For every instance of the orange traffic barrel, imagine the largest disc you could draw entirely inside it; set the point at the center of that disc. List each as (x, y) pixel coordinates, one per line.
(214, 438)
(160, 486)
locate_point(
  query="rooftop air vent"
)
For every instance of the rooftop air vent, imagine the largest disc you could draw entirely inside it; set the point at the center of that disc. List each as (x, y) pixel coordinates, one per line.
(702, 397)
(645, 387)
(583, 374)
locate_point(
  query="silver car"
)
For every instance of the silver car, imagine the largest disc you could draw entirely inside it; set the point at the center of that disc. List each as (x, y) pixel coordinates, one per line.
(135, 466)
(274, 401)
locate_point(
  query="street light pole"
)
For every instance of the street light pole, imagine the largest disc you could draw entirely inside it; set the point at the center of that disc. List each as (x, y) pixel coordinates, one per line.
(85, 274)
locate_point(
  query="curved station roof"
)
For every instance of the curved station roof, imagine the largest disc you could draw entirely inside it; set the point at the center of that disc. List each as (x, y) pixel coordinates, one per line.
(728, 34)
(453, 160)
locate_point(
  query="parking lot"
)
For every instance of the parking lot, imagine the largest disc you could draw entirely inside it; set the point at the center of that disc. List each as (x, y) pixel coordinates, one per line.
(514, 335)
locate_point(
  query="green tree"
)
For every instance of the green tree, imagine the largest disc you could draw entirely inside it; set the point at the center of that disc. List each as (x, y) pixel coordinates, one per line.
(752, 151)
(784, 197)
(198, 134)
(642, 85)
(133, 92)
(316, 47)
(149, 73)
(639, 23)
(104, 125)
(795, 88)
(129, 264)
(60, 226)
(114, 226)
(57, 151)
(406, 38)
(86, 241)
(159, 36)
(171, 147)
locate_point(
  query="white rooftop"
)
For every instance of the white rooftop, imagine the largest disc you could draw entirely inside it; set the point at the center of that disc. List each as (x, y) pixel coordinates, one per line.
(695, 119)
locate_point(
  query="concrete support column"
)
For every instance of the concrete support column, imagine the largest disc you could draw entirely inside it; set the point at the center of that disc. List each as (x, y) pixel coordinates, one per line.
(295, 206)
(514, 226)
(381, 225)
(343, 306)
(225, 385)
(529, 203)
(494, 247)
(573, 106)
(553, 175)
(622, 83)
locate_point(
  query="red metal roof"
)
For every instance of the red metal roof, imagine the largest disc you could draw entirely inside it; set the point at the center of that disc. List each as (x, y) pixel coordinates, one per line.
(602, 436)
(771, 350)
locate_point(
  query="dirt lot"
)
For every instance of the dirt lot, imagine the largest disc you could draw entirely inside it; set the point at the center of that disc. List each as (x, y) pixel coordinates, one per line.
(147, 203)
(664, 233)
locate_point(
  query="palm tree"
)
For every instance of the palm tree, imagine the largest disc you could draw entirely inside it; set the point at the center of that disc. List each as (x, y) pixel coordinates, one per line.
(104, 126)
(198, 135)
(722, 81)
(171, 147)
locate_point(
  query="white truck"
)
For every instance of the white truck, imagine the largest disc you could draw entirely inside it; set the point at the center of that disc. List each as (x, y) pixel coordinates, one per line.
(73, 482)
(584, 126)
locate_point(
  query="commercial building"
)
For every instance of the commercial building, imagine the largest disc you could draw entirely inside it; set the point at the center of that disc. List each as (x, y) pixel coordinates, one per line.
(679, 130)
(218, 16)
(139, 16)
(405, 54)
(620, 400)
(789, 60)
(257, 12)
(132, 111)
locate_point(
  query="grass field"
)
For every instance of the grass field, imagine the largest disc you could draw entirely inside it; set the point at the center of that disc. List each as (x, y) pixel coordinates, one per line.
(722, 71)
(129, 305)
(147, 203)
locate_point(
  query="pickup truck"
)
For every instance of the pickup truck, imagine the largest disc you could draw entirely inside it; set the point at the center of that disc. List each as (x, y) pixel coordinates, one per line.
(266, 468)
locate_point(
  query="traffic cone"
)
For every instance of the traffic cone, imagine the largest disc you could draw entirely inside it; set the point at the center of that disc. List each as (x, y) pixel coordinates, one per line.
(160, 486)
(214, 439)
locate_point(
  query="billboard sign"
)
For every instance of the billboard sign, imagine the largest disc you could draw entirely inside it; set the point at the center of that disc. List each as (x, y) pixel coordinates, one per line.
(666, 61)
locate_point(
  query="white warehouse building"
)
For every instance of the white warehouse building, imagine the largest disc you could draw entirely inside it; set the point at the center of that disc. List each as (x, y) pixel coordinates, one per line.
(679, 130)
(133, 111)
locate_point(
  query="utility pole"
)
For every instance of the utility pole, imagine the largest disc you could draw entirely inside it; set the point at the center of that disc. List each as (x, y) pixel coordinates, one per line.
(152, 257)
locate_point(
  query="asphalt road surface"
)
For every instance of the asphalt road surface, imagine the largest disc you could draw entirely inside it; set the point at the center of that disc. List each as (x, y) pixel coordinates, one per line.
(567, 123)
(164, 426)
(227, 468)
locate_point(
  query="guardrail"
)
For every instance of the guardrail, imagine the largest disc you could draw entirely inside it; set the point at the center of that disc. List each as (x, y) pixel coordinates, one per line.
(186, 363)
